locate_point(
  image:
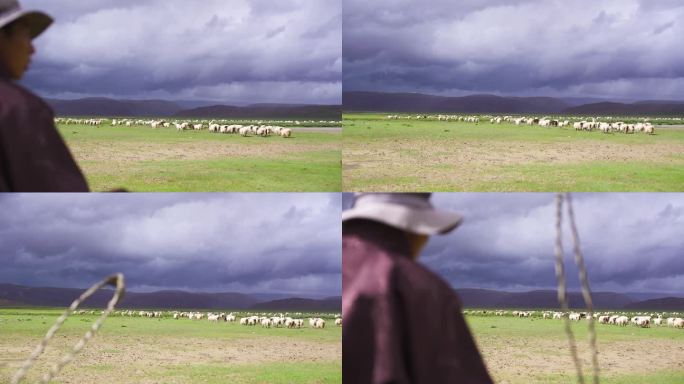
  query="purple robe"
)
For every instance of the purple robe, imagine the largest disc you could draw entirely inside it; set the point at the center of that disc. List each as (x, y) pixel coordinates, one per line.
(33, 156)
(401, 322)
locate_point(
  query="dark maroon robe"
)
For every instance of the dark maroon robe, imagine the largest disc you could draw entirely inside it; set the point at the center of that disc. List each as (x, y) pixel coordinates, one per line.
(33, 156)
(401, 322)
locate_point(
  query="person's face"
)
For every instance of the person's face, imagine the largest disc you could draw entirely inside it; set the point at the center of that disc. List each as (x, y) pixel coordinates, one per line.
(16, 48)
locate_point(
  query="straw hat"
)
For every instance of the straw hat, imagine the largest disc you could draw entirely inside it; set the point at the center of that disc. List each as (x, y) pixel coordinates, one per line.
(37, 21)
(411, 212)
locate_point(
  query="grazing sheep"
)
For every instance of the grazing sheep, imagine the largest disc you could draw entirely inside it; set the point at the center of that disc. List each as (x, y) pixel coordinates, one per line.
(643, 322)
(622, 320)
(678, 323)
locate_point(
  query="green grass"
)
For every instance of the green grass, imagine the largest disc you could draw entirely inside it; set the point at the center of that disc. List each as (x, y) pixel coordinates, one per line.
(655, 378)
(145, 159)
(546, 328)
(417, 155)
(35, 322)
(314, 171)
(276, 373)
(119, 335)
(540, 342)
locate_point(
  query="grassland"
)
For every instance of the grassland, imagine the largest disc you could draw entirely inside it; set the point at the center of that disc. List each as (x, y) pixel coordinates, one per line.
(142, 159)
(524, 350)
(416, 155)
(148, 350)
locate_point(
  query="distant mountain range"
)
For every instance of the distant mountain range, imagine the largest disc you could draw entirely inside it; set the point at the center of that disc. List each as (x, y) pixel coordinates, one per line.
(271, 111)
(308, 305)
(484, 298)
(360, 101)
(12, 295)
(106, 107)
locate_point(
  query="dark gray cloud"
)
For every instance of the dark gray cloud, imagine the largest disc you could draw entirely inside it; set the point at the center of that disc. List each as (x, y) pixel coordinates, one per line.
(631, 242)
(230, 51)
(271, 243)
(606, 48)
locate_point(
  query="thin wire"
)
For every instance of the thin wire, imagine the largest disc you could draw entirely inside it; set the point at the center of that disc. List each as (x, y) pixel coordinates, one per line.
(115, 280)
(562, 295)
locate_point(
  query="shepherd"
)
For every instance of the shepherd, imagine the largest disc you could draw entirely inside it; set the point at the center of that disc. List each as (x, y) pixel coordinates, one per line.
(33, 155)
(401, 322)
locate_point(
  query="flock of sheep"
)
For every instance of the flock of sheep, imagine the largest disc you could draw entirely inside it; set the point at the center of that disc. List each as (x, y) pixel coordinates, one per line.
(213, 126)
(586, 124)
(643, 320)
(266, 320)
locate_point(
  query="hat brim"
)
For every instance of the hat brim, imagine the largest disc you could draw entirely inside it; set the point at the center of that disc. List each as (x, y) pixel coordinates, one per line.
(420, 221)
(37, 21)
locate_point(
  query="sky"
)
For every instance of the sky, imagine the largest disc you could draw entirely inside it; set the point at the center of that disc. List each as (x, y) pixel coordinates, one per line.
(251, 243)
(614, 49)
(632, 243)
(232, 51)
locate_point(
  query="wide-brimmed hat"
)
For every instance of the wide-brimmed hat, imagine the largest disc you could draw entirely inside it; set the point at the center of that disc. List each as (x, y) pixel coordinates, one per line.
(37, 21)
(410, 212)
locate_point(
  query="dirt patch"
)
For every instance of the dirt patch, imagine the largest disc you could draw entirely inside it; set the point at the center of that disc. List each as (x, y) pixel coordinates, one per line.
(121, 359)
(463, 162)
(513, 360)
(513, 153)
(126, 152)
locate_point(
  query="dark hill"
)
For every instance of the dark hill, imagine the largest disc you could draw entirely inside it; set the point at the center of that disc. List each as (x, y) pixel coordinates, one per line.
(104, 107)
(360, 101)
(480, 298)
(62, 297)
(422, 103)
(265, 111)
(333, 304)
(647, 108)
(663, 304)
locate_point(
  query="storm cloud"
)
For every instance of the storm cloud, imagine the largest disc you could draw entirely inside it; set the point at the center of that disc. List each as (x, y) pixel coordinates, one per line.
(626, 49)
(631, 242)
(235, 51)
(252, 243)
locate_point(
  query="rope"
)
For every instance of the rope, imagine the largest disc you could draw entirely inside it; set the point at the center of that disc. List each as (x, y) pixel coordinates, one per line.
(115, 280)
(586, 291)
(562, 295)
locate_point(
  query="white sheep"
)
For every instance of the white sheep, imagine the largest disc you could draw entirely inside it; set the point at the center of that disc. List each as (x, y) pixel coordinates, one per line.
(678, 323)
